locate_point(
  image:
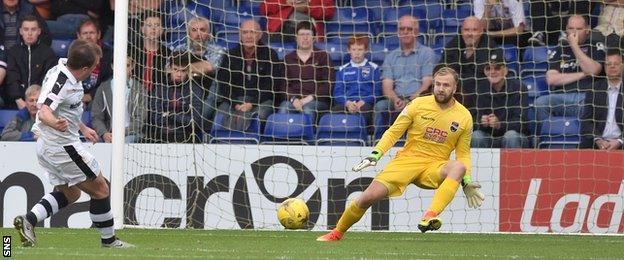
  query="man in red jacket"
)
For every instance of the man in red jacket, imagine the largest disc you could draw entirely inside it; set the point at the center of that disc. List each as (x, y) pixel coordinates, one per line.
(283, 16)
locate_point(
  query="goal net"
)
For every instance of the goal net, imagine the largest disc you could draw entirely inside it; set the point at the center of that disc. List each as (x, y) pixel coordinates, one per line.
(225, 135)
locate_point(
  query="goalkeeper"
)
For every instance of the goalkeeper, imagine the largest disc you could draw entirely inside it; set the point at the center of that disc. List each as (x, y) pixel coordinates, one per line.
(435, 125)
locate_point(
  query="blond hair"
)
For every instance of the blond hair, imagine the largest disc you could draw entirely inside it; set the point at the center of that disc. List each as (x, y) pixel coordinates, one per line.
(32, 89)
(446, 71)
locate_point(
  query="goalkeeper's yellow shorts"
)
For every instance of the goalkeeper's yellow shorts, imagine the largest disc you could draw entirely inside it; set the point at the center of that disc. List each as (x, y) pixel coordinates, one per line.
(402, 171)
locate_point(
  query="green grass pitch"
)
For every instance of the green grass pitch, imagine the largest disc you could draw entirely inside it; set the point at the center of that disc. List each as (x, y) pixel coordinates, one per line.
(63, 243)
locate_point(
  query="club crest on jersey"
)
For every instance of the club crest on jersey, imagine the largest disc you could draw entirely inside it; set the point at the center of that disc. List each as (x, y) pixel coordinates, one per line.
(365, 71)
(454, 126)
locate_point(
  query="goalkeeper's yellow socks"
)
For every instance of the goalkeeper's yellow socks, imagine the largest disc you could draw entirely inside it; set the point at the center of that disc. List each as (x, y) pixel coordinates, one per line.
(444, 195)
(352, 214)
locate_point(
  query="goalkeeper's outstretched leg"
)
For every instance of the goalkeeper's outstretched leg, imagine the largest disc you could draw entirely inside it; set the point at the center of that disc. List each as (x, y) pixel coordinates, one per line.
(452, 174)
(354, 212)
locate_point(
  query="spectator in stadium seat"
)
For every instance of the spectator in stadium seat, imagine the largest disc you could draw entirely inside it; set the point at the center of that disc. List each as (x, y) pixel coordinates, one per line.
(13, 11)
(548, 19)
(309, 75)
(18, 129)
(250, 75)
(149, 53)
(571, 71)
(89, 30)
(468, 54)
(27, 62)
(500, 109)
(358, 83)
(610, 28)
(136, 110)
(504, 20)
(175, 106)
(406, 71)
(137, 9)
(603, 122)
(207, 57)
(67, 15)
(284, 15)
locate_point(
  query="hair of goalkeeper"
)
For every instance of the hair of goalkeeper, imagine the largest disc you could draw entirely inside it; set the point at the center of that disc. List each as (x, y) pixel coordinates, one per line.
(445, 71)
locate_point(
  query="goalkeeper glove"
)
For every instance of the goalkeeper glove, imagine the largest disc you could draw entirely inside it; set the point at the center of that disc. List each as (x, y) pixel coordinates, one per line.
(371, 160)
(473, 194)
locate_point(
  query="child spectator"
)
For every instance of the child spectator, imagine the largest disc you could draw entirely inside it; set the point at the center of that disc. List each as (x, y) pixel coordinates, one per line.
(358, 83)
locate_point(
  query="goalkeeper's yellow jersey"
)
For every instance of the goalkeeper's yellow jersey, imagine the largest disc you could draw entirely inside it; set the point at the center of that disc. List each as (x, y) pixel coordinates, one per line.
(432, 133)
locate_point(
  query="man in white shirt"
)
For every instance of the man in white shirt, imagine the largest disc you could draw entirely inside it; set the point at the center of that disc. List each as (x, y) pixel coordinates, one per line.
(68, 164)
(610, 28)
(503, 20)
(603, 120)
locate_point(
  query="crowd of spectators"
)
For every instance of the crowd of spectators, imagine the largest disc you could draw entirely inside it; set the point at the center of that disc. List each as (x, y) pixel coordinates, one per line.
(175, 91)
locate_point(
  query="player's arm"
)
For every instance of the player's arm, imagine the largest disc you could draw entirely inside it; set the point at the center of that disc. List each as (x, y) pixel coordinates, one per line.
(396, 130)
(88, 133)
(389, 138)
(46, 115)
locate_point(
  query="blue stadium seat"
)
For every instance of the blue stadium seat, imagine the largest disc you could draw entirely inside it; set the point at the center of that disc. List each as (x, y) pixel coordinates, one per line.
(453, 18)
(288, 128)
(282, 48)
(86, 118)
(175, 39)
(560, 132)
(378, 53)
(222, 135)
(530, 120)
(341, 129)
(536, 58)
(6, 116)
(60, 47)
(337, 51)
(420, 3)
(249, 7)
(227, 39)
(350, 20)
(176, 16)
(232, 20)
(375, 7)
(432, 10)
(511, 58)
(216, 8)
(203, 11)
(536, 84)
(390, 19)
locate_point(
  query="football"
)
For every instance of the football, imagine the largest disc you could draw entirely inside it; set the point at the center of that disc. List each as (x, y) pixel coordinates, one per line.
(293, 213)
